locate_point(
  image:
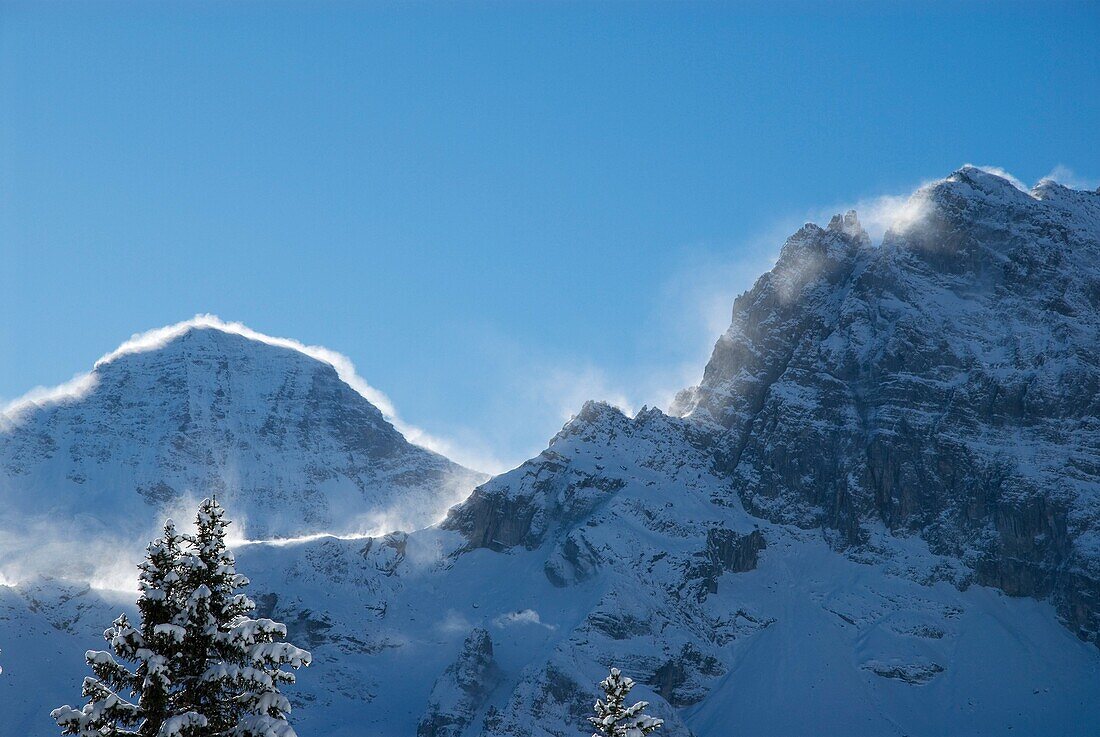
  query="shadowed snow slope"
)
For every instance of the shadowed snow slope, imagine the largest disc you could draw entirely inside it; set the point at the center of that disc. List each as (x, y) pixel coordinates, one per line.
(877, 514)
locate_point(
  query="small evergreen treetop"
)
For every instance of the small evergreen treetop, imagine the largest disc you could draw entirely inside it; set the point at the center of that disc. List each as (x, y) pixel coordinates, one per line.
(612, 718)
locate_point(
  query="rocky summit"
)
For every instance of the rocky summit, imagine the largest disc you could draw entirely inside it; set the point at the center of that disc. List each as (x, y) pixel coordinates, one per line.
(876, 513)
(945, 384)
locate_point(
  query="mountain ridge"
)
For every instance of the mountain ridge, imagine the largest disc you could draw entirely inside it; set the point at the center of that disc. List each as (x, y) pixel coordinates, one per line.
(876, 514)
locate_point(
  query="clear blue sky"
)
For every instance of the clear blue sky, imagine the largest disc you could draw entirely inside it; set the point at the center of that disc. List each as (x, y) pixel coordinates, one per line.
(493, 210)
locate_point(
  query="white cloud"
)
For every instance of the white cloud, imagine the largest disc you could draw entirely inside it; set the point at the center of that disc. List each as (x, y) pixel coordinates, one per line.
(525, 617)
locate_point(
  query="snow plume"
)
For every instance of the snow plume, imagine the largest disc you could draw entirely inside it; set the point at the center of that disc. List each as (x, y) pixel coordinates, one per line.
(40, 547)
(880, 213)
(376, 523)
(1067, 178)
(87, 550)
(345, 369)
(157, 338)
(1003, 174)
(891, 212)
(695, 303)
(71, 390)
(901, 211)
(570, 387)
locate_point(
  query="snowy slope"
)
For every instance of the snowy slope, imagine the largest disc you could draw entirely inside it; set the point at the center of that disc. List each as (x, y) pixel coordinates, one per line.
(277, 435)
(876, 515)
(635, 553)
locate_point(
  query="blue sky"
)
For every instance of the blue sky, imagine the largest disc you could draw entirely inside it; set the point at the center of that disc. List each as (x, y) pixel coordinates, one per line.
(494, 210)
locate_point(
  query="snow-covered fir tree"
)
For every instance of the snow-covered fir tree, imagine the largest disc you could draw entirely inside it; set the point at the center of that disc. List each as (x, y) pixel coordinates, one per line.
(128, 692)
(197, 665)
(159, 582)
(231, 666)
(612, 718)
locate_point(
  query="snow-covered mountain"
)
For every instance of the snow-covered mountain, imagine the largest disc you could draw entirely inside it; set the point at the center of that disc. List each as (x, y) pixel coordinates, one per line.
(945, 384)
(619, 544)
(876, 515)
(204, 408)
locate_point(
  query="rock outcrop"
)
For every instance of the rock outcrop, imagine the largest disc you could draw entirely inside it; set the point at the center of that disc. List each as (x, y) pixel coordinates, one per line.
(461, 690)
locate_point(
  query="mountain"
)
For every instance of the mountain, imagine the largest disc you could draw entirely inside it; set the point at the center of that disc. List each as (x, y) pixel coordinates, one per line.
(947, 382)
(289, 446)
(875, 515)
(619, 544)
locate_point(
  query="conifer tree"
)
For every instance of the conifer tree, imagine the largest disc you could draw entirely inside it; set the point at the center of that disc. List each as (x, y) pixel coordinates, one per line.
(197, 665)
(612, 718)
(231, 666)
(119, 698)
(159, 582)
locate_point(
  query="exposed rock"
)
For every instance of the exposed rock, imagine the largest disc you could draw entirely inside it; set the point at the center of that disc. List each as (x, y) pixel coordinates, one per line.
(574, 560)
(946, 383)
(915, 674)
(461, 690)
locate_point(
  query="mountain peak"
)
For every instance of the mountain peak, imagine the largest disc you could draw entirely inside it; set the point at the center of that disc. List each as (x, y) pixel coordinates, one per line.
(849, 225)
(209, 329)
(288, 434)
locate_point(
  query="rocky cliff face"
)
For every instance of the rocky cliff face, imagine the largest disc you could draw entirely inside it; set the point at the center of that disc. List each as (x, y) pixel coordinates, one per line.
(460, 691)
(944, 384)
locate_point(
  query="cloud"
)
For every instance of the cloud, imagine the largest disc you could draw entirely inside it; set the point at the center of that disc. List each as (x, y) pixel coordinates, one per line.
(525, 617)
(1067, 178)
